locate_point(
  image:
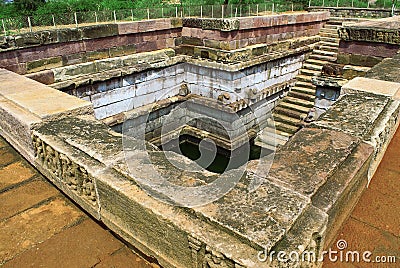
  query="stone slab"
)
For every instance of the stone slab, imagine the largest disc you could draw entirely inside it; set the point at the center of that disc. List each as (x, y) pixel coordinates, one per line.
(38, 99)
(354, 113)
(15, 173)
(26, 196)
(262, 217)
(28, 229)
(83, 245)
(387, 70)
(310, 158)
(372, 85)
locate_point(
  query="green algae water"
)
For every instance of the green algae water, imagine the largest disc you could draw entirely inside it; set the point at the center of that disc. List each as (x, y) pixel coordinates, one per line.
(189, 147)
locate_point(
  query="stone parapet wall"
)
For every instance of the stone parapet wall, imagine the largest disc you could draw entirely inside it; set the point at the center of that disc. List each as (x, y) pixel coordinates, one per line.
(231, 34)
(30, 53)
(122, 93)
(33, 52)
(353, 12)
(367, 43)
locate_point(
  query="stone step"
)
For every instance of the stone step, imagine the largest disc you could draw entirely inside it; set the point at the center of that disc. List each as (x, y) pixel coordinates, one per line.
(328, 48)
(334, 22)
(333, 35)
(287, 120)
(289, 112)
(324, 53)
(329, 39)
(300, 95)
(310, 72)
(268, 138)
(283, 127)
(317, 62)
(328, 30)
(312, 67)
(305, 84)
(271, 131)
(331, 26)
(300, 102)
(304, 78)
(330, 44)
(294, 107)
(304, 90)
(322, 57)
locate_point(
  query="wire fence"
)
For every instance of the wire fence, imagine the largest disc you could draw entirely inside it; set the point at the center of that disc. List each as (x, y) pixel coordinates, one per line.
(16, 25)
(385, 4)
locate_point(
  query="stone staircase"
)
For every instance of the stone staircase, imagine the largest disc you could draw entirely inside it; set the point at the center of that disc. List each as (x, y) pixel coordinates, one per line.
(292, 109)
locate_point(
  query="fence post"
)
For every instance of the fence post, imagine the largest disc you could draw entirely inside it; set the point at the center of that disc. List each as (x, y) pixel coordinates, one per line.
(309, 3)
(292, 7)
(273, 7)
(189, 11)
(95, 16)
(222, 11)
(212, 11)
(115, 17)
(4, 27)
(148, 14)
(176, 11)
(76, 20)
(231, 11)
(249, 10)
(162, 12)
(337, 3)
(257, 11)
(201, 11)
(352, 3)
(368, 5)
(236, 12)
(323, 3)
(54, 21)
(30, 24)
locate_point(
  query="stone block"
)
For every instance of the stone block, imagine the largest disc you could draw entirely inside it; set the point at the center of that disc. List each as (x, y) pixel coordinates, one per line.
(97, 55)
(128, 28)
(44, 77)
(77, 58)
(386, 70)
(112, 96)
(35, 38)
(108, 64)
(69, 35)
(44, 64)
(98, 31)
(379, 87)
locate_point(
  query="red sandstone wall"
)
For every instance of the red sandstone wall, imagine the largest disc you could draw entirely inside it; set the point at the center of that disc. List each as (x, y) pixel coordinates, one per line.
(34, 52)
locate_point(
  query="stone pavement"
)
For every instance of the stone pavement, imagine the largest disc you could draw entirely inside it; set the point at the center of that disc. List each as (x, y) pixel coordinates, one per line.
(40, 227)
(374, 224)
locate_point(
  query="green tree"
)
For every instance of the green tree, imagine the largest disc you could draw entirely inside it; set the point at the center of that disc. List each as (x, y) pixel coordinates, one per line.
(27, 6)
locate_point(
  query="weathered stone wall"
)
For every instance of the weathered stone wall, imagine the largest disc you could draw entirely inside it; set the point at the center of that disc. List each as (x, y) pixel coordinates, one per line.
(30, 53)
(127, 92)
(33, 52)
(350, 12)
(231, 34)
(313, 181)
(368, 43)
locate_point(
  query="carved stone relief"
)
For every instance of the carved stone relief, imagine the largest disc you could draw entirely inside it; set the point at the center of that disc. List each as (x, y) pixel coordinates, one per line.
(65, 170)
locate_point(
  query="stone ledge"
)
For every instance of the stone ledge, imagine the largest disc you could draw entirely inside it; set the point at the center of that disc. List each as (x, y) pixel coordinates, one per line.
(371, 85)
(24, 92)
